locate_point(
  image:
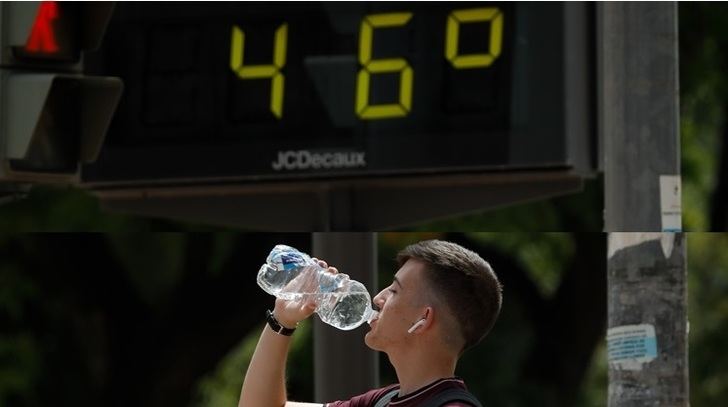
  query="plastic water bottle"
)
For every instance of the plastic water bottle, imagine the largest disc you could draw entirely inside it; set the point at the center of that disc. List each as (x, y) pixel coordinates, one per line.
(292, 275)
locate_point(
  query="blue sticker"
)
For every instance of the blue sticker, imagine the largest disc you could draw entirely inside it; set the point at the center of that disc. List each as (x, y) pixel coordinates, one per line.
(631, 346)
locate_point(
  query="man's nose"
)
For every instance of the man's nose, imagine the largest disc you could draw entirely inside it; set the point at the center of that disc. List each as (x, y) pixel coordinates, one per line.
(379, 299)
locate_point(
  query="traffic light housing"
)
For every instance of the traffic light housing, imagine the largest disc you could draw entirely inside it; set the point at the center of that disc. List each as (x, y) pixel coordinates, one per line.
(52, 117)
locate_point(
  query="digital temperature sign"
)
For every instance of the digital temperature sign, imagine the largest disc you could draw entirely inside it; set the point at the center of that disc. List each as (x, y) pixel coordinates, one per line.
(257, 91)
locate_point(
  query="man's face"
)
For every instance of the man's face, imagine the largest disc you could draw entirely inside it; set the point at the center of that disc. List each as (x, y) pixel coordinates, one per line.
(401, 305)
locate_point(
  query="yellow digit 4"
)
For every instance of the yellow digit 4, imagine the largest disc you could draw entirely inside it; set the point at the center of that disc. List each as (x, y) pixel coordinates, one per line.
(457, 17)
(273, 71)
(369, 66)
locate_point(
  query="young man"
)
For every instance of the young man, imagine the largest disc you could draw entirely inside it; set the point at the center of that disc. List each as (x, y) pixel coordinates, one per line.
(443, 300)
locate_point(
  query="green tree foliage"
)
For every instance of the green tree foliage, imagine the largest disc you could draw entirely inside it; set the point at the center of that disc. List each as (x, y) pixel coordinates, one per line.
(124, 319)
(221, 387)
(703, 104)
(708, 316)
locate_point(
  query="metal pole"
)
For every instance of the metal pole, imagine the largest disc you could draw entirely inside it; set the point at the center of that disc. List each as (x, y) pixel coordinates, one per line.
(639, 115)
(639, 125)
(343, 365)
(647, 318)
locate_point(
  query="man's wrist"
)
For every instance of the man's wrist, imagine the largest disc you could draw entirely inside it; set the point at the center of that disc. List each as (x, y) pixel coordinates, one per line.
(277, 326)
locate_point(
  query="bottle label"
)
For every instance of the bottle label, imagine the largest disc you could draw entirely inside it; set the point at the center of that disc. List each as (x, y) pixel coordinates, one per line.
(290, 261)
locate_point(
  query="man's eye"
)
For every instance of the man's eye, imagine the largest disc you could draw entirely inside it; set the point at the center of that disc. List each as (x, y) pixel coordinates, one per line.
(392, 290)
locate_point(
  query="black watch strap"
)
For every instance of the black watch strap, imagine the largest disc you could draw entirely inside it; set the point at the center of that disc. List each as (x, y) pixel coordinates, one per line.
(276, 326)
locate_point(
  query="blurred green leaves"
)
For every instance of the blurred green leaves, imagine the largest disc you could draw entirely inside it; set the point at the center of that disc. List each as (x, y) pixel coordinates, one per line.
(154, 262)
(20, 366)
(703, 97)
(221, 388)
(15, 290)
(708, 316)
(544, 255)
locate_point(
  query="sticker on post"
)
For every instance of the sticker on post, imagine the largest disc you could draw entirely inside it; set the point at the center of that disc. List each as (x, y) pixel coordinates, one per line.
(670, 203)
(629, 347)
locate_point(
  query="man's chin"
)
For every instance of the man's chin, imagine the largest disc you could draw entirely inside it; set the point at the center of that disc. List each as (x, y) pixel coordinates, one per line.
(370, 341)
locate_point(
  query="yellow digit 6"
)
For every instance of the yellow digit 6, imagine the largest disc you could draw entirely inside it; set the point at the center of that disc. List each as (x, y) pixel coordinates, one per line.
(273, 71)
(366, 35)
(492, 14)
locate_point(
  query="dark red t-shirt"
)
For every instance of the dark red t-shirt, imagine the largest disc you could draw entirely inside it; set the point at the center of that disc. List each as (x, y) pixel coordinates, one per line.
(414, 399)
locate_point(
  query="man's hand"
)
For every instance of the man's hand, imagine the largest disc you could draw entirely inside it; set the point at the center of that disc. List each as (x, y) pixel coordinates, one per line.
(290, 312)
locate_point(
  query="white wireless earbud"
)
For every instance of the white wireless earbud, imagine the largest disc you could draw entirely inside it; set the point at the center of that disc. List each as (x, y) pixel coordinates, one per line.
(416, 325)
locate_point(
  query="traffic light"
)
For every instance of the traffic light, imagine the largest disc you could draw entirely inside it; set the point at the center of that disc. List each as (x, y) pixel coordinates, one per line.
(52, 117)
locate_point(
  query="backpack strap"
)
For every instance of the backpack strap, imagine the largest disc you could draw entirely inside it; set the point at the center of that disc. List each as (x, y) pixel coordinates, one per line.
(384, 401)
(450, 395)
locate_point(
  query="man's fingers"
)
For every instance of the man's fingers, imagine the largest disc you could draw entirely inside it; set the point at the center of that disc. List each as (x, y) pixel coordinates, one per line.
(320, 262)
(325, 265)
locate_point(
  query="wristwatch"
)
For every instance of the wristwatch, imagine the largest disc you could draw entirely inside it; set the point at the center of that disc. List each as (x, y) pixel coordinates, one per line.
(276, 326)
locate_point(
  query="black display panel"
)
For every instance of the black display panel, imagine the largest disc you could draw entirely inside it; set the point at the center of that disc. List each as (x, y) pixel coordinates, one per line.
(241, 90)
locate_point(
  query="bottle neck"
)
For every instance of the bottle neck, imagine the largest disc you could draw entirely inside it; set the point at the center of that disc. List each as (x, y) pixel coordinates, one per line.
(372, 314)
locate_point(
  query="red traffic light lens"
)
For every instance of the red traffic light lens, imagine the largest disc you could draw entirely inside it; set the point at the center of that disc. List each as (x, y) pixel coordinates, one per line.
(42, 37)
(54, 36)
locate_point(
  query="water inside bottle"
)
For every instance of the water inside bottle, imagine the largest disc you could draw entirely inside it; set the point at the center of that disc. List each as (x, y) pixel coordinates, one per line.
(345, 311)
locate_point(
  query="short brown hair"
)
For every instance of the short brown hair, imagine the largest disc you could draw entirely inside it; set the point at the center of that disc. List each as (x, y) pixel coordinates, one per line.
(464, 280)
